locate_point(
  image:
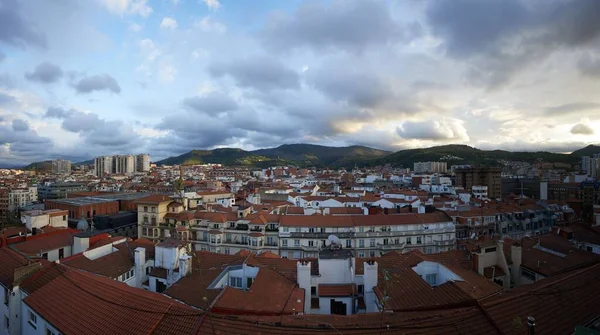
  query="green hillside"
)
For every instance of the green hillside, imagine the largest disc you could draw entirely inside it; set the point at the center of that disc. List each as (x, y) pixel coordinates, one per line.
(45, 166)
(590, 150)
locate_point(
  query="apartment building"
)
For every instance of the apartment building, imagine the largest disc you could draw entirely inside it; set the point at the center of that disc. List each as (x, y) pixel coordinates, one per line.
(430, 167)
(61, 166)
(20, 197)
(103, 165)
(124, 164)
(59, 190)
(468, 177)
(151, 216)
(142, 163)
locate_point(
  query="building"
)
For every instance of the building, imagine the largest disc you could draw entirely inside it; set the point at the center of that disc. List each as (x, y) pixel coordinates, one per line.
(124, 164)
(4, 213)
(151, 217)
(86, 207)
(61, 166)
(38, 219)
(585, 164)
(480, 176)
(59, 190)
(430, 167)
(103, 165)
(142, 163)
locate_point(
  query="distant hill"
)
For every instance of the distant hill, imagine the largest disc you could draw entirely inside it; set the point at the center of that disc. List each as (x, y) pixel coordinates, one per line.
(90, 162)
(293, 154)
(463, 154)
(39, 166)
(590, 150)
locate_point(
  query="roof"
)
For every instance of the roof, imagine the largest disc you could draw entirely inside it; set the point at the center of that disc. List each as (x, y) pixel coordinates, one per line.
(10, 261)
(43, 243)
(153, 199)
(112, 265)
(363, 220)
(76, 302)
(337, 290)
(557, 304)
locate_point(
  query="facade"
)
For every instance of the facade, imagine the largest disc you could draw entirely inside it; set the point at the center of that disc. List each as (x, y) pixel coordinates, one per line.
(103, 165)
(21, 197)
(37, 219)
(59, 190)
(151, 217)
(87, 208)
(430, 167)
(142, 163)
(4, 213)
(480, 176)
(61, 166)
(124, 164)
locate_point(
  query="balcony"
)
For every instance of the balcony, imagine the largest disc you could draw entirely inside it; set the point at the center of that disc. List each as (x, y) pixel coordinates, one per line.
(445, 242)
(256, 229)
(267, 229)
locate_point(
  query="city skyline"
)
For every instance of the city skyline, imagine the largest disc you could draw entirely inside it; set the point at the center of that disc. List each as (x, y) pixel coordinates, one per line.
(78, 80)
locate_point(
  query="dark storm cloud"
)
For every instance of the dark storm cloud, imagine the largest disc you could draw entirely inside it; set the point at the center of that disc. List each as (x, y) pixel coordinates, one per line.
(57, 112)
(347, 25)
(589, 66)
(573, 108)
(14, 28)
(45, 73)
(260, 72)
(498, 38)
(196, 132)
(582, 129)
(20, 125)
(97, 83)
(212, 103)
(23, 142)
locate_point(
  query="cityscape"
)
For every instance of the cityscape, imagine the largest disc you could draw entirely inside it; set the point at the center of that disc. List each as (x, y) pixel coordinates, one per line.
(298, 167)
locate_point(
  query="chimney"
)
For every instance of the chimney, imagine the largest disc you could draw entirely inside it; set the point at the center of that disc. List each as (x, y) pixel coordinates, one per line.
(370, 281)
(140, 260)
(516, 254)
(80, 243)
(185, 265)
(303, 278)
(531, 325)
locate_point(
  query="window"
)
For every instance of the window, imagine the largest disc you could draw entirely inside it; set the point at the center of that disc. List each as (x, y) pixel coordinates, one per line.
(286, 229)
(372, 242)
(431, 278)
(408, 240)
(32, 319)
(153, 220)
(50, 332)
(296, 243)
(6, 293)
(418, 239)
(235, 282)
(348, 243)
(284, 243)
(311, 230)
(153, 209)
(227, 252)
(61, 253)
(371, 229)
(64, 218)
(361, 289)
(313, 290)
(361, 243)
(361, 229)
(45, 255)
(361, 254)
(311, 243)
(146, 209)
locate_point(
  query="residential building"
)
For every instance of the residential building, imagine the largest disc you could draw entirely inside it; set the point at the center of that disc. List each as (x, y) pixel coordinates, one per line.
(61, 166)
(21, 197)
(430, 167)
(467, 177)
(124, 164)
(151, 217)
(585, 164)
(4, 212)
(103, 165)
(142, 163)
(37, 219)
(59, 190)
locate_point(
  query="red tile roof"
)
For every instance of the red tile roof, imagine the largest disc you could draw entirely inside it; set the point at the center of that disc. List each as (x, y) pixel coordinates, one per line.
(153, 199)
(363, 220)
(111, 265)
(10, 260)
(76, 302)
(337, 290)
(43, 243)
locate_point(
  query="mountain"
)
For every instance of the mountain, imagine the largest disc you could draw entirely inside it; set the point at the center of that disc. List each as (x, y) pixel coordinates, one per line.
(464, 154)
(590, 150)
(39, 166)
(90, 162)
(292, 154)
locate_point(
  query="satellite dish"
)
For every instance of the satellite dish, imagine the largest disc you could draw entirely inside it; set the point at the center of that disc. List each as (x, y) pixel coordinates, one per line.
(473, 235)
(334, 240)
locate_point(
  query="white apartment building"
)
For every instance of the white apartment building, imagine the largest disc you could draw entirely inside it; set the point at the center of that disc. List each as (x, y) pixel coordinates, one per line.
(142, 163)
(424, 167)
(61, 166)
(20, 197)
(124, 164)
(39, 219)
(103, 165)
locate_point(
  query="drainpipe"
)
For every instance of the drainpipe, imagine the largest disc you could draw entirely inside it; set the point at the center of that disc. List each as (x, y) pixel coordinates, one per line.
(531, 325)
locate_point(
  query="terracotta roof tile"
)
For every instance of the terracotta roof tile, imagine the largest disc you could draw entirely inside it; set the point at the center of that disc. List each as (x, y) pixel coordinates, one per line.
(41, 244)
(153, 199)
(10, 261)
(337, 290)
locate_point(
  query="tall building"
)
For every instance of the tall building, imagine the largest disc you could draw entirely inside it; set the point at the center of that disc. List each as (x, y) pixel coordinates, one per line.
(480, 176)
(124, 164)
(61, 166)
(103, 165)
(59, 190)
(143, 163)
(585, 164)
(431, 167)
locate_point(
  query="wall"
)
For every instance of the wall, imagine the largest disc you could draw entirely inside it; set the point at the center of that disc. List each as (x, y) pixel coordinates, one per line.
(53, 254)
(325, 305)
(4, 311)
(41, 324)
(334, 271)
(443, 274)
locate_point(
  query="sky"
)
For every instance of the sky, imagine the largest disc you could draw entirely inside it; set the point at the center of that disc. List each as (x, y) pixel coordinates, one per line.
(79, 79)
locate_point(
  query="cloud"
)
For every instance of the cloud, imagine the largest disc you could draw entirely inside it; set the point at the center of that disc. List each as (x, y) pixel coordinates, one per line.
(130, 7)
(572, 108)
(15, 30)
(436, 130)
(582, 129)
(134, 27)
(168, 23)
(97, 83)
(2, 56)
(260, 72)
(345, 25)
(57, 112)
(6, 99)
(45, 73)
(212, 103)
(208, 25)
(212, 4)
(589, 66)
(20, 125)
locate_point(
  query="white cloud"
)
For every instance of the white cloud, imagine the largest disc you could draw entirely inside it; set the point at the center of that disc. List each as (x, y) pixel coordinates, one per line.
(199, 53)
(149, 50)
(212, 4)
(166, 72)
(168, 23)
(132, 7)
(207, 24)
(444, 129)
(134, 27)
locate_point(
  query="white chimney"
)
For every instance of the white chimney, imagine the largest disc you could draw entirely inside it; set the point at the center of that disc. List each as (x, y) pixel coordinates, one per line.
(516, 255)
(185, 265)
(370, 281)
(303, 277)
(140, 260)
(80, 244)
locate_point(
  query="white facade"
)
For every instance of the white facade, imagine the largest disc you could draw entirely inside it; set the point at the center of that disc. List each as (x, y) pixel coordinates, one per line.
(40, 219)
(61, 166)
(439, 167)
